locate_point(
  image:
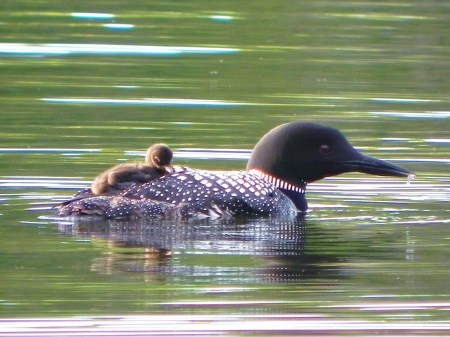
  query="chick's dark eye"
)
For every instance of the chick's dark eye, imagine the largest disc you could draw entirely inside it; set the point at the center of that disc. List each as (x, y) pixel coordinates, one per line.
(325, 149)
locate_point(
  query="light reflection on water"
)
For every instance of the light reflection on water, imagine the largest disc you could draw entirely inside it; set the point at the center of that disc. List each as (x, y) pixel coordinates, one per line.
(207, 324)
(64, 49)
(91, 16)
(370, 257)
(425, 115)
(44, 182)
(145, 101)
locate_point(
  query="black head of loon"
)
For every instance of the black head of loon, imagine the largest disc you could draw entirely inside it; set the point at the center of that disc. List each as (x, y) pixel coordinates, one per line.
(301, 152)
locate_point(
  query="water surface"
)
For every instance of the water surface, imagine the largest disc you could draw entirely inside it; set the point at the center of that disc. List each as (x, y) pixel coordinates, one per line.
(87, 87)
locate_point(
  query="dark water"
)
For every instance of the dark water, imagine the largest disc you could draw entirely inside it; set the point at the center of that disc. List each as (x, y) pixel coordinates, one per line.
(83, 92)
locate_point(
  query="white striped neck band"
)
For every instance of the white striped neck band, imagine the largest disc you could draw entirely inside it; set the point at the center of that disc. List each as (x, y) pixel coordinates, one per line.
(279, 183)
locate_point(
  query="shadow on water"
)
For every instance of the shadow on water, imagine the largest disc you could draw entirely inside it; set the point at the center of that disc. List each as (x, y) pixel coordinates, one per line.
(150, 246)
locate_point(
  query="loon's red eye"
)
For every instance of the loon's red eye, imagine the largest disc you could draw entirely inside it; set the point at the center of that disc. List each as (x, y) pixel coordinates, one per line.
(325, 149)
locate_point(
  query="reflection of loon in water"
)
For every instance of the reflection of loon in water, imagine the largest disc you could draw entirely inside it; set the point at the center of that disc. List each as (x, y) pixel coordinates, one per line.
(279, 247)
(281, 164)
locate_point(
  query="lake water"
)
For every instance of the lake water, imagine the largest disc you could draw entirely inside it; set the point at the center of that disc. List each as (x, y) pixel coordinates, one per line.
(87, 86)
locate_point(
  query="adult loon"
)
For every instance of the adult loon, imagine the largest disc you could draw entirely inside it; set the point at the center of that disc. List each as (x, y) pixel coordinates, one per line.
(282, 163)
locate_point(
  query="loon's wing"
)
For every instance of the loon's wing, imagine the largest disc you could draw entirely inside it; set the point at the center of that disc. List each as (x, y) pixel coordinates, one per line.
(239, 192)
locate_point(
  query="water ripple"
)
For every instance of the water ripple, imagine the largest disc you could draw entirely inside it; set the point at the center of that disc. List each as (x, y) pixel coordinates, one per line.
(165, 325)
(65, 49)
(144, 101)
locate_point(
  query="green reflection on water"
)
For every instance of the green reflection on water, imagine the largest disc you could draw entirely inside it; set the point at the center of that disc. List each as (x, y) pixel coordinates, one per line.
(361, 67)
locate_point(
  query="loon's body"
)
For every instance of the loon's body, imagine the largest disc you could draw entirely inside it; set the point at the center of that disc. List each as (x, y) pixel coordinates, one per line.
(190, 192)
(282, 163)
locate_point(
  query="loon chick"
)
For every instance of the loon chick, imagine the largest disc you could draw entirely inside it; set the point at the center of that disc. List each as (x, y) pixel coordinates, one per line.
(282, 163)
(120, 177)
